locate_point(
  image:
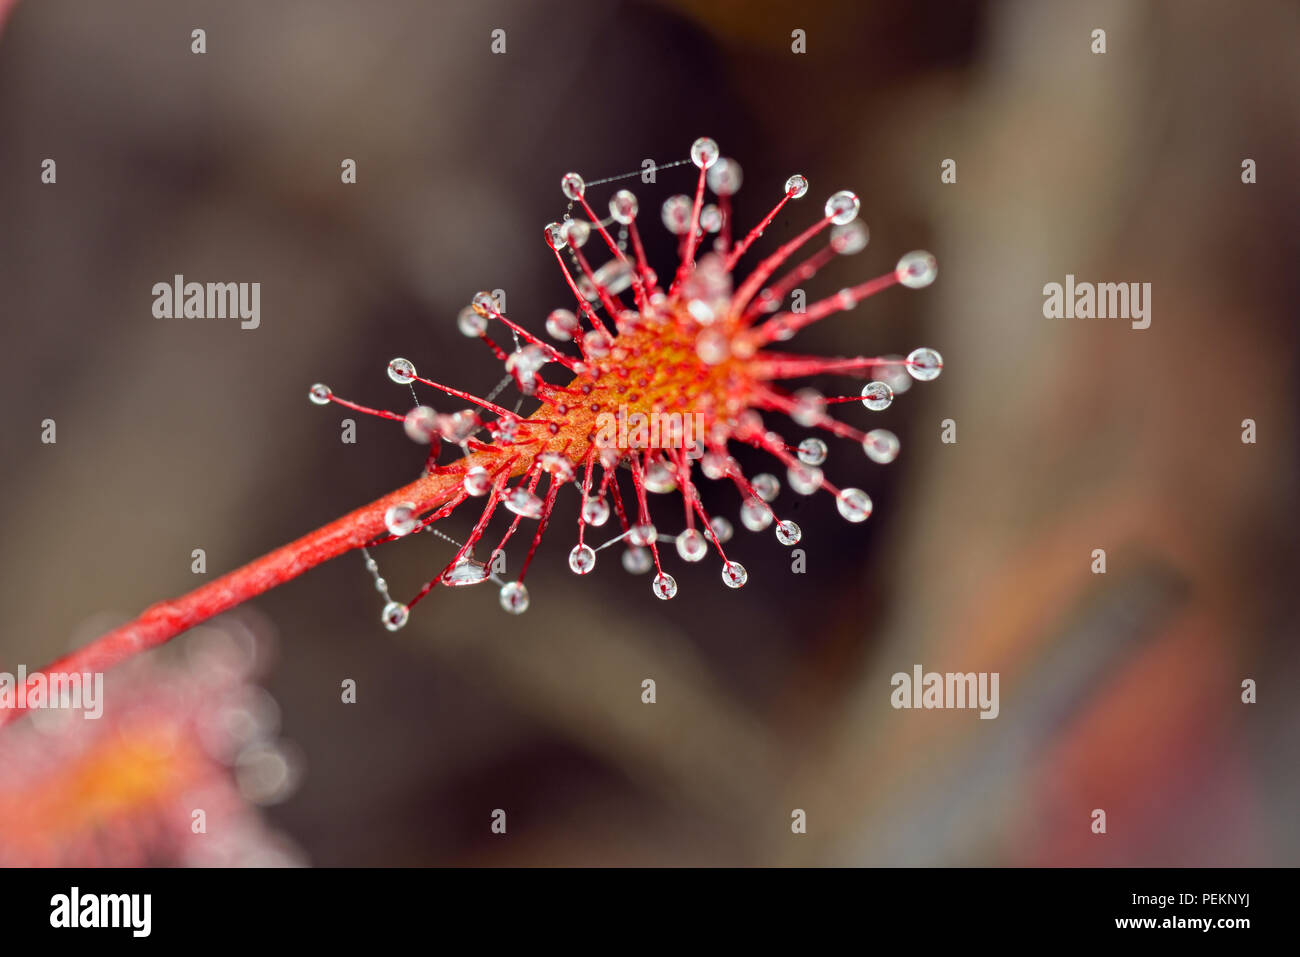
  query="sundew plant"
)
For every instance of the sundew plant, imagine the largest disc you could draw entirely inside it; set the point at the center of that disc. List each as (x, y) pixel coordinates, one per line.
(643, 385)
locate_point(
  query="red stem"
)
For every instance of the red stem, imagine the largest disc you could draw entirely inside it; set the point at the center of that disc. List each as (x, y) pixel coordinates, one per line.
(165, 620)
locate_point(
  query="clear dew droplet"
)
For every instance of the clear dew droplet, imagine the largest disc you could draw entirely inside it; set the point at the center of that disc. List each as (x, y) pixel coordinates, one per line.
(721, 529)
(470, 323)
(401, 371)
(796, 186)
(558, 465)
(881, 446)
(924, 364)
(477, 481)
(319, 394)
(725, 177)
(465, 572)
(637, 561)
(842, 208)
(749, 426)
(577, 232)
(766, 486)
(643, 534)
(457, 426)
(710, 218)
(595, 511)
(615, 276)
(506, 428)
(660, 478)
(623, 206)
(561, 324)
(676, 214)
(917, 269)
(767, 301)
(691, 545)
(704, 152)
(554, 233)
(854, 504)
(701, 311)
(582, 559)
(597, 344)
(572, 185)
(715, 465)
(713, 346)
(812, 451)
(808, 407)
(782, 330)
(514, 597)
(394, 615)
(524, 503)
(421, 425)
(755, 515)
(734, 574)
(664, 586)
(524, 364)
(894, 373)
(401, 519)
(877, 396)
(804, 479)
(850, 238)
(788, 533)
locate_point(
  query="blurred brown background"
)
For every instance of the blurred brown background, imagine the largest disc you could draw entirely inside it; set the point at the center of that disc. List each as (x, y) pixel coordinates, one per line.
(1119, 691)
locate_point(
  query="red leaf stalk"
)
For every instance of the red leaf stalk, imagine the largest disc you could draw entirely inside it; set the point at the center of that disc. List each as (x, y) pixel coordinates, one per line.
(165, 620)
